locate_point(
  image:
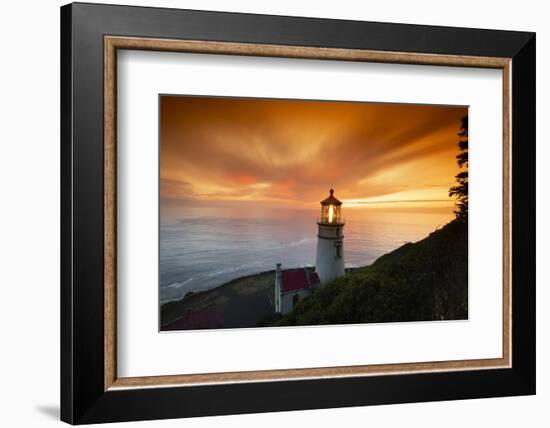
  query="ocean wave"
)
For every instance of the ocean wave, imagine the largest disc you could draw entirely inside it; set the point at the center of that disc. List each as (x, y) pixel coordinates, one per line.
(292, 244)
(230, 269)
(177, 285)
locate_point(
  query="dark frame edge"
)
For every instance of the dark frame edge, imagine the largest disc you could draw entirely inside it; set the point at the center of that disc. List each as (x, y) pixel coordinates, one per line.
(524, 214)
(66, 304)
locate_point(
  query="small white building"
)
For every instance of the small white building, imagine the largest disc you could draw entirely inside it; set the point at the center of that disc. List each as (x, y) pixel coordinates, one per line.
(329, 263)
(291, 286)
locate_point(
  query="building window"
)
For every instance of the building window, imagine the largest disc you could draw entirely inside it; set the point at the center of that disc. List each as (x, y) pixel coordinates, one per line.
(338, 245)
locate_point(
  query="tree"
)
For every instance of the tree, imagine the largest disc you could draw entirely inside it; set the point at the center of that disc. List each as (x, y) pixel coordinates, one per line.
(460, 190)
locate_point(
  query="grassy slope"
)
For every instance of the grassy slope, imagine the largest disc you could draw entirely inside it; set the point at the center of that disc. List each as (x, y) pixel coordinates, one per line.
(427, 280)
(241, 302)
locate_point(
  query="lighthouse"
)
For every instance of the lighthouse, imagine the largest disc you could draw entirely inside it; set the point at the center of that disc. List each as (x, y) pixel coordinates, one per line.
(330, 240)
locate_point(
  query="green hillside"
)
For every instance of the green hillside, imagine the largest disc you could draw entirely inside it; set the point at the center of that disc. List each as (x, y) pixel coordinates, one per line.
(426, 280)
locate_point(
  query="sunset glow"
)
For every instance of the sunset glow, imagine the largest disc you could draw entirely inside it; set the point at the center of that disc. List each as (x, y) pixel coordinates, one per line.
(232, 152)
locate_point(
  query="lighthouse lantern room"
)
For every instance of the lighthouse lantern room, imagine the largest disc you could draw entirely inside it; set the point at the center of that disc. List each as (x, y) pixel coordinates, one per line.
(330, 240)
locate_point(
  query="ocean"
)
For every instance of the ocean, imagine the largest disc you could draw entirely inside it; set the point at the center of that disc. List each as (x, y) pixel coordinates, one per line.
(200, 252)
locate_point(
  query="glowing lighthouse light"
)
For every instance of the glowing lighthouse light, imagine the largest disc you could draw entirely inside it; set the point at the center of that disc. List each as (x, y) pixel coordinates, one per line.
(330, 240)
(331, 210)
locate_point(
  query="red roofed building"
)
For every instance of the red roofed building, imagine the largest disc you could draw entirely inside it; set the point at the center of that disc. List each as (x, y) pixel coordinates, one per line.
(291, 286)
(205, 317)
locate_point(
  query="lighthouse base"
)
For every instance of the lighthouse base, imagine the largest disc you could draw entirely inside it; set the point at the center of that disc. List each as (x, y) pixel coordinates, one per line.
(330, 259)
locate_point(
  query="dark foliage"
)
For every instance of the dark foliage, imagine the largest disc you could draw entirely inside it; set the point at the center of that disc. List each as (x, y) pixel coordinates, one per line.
(269, 320)
(460, 190)
(427, 280)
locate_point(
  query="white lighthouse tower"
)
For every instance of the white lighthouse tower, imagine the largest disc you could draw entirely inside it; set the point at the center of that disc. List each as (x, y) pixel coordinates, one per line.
(330, 240)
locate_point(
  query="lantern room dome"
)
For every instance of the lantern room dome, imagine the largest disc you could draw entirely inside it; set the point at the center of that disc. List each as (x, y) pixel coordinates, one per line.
(331, 200)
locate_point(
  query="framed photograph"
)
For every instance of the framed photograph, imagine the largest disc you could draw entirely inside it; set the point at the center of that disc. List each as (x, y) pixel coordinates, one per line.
(265, 213)
(250, 224)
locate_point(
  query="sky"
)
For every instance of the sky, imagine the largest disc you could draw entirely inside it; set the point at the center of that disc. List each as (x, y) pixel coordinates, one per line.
(218, 151)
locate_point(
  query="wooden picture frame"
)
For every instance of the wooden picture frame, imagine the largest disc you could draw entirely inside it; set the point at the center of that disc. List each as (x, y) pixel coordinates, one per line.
(91, 390)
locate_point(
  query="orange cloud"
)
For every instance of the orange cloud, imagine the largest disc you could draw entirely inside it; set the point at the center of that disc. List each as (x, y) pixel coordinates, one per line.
(216, 150)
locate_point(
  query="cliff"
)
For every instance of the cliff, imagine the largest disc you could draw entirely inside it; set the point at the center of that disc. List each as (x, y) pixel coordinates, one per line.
(426, 280)
(422, 281)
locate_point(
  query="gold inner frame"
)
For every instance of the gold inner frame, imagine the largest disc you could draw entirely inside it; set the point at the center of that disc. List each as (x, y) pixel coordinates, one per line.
(113, 43)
